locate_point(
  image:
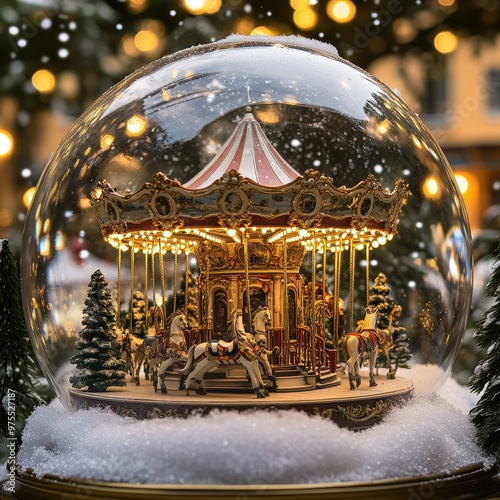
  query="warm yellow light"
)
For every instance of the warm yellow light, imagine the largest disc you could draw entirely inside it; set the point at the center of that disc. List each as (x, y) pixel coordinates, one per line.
(299, 4)
(137, 6)
(445, 42)
(383, 127)
(28, 196)
(341, 11)
(263, 30)
(194, 6)
(269, 115)
(146, 41)
(5, 217)
(305, 19)
(431, 187)
(244, 26)
(106, 141)
(6, 143)
(136, 125)
(44, 81)
(212, 6)
(463, 183)
(446, 3)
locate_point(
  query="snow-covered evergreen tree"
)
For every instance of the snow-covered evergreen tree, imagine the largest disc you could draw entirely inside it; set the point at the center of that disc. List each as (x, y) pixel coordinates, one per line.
(139, 310)
(379, 296)
(18, 373)
(98, 364)
(486, 414)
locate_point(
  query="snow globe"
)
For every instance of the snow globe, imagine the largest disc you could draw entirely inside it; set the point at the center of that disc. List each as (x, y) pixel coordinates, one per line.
(250, 224)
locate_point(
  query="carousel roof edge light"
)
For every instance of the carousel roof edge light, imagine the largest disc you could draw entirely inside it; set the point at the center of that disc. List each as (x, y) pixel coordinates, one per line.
(310, 202)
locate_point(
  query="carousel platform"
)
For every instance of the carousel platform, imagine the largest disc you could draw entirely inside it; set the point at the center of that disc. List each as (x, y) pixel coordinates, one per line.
(357, 409)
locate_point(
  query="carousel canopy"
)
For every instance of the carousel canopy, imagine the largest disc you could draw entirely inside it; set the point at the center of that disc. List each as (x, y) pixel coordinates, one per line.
(248, 188)
(248, 152)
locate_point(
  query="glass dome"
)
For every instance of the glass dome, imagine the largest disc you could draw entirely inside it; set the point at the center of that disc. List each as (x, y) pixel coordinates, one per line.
(317, 114)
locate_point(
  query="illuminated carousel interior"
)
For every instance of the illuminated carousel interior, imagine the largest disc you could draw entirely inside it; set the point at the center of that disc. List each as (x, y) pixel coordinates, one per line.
(263, 237)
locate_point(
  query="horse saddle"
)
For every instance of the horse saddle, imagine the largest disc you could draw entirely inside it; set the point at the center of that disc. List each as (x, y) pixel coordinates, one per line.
(221, 348)
(369, 339)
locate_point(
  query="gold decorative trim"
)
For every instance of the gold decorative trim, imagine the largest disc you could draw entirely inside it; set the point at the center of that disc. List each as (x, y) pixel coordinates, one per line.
(359, 413)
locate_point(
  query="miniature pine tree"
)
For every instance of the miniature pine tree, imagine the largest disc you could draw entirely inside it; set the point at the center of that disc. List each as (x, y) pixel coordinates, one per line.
(98, 364)
(379, 296)
(139, 314)
(17, 368)
(486, 414)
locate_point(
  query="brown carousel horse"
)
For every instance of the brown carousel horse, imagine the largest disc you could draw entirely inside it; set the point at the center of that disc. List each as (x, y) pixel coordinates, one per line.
(240, 348)
(357, 345)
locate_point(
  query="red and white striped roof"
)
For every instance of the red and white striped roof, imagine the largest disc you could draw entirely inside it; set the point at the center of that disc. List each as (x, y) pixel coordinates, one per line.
(249, 152)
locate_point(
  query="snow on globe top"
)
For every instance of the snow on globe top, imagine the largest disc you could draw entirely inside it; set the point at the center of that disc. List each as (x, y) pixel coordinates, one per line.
(252, 175)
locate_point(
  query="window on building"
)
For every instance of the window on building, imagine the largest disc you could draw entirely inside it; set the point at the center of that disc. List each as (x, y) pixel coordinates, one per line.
(494, 90)
(434, 100)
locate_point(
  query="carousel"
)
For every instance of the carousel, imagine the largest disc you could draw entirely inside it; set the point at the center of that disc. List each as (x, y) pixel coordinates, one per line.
(269, 318)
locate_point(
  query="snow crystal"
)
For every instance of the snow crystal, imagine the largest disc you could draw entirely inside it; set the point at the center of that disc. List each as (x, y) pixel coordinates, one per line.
(426, 436)
(293, 40)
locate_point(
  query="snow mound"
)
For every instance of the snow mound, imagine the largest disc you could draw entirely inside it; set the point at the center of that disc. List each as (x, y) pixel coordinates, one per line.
(427, 436)
(294, 40)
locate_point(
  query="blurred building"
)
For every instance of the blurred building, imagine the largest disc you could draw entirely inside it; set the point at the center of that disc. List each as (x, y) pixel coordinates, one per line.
(458, 97)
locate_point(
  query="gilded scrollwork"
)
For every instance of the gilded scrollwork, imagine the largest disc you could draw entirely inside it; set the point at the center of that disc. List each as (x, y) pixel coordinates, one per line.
(358, 413)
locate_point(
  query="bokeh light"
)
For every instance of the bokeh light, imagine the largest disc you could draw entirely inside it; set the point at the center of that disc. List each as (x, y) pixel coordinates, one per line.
(44, 81)
(341, 11)
(445, 42)
(6, 143)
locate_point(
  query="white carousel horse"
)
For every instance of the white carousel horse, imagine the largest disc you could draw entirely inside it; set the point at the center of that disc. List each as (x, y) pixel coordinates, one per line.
(385, 347)
(171, 349)
(357, 345)
(241, 348)
(261, 320)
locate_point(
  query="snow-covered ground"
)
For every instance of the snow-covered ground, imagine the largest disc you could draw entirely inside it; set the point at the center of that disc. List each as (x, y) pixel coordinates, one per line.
(431, 434)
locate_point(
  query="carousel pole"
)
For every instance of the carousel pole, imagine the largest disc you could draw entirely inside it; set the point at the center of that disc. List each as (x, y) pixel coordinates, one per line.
(118, 287)
(352, 262)
(162, 279)
(336, 295)
(367, 248)
(186, 286)
(132, 272)
(176, 275)
(313, 306)
(247, 279)
(323, 319)
(285, 286)
(153, 284)
(146, 286)
(206, 297)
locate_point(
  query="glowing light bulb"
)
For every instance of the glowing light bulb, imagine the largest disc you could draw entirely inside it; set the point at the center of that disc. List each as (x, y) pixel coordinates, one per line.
(6, 143)
(445, 42)
(44, 81)
(136, 125)
(341, 11)
(463, 183)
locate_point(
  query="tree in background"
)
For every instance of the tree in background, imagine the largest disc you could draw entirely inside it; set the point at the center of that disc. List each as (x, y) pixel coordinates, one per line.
(486, 414)
(139, 315)
(379, 296)
(98, 364)
(18, 370)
